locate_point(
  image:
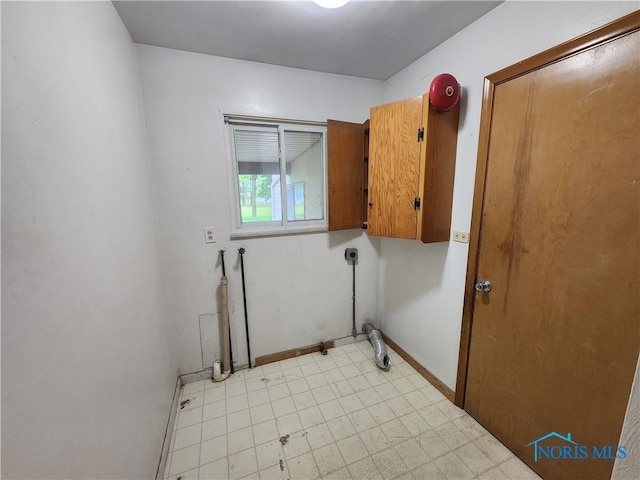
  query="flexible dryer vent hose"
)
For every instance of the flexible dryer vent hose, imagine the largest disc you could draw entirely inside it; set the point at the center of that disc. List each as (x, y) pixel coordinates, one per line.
(379, 348)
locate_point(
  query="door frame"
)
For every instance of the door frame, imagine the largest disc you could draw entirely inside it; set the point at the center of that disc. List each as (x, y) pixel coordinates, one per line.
(611, 31)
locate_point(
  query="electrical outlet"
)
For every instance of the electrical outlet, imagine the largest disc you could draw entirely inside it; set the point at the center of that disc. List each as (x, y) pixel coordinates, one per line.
(209, 235)
(462, 237)
(351, 254)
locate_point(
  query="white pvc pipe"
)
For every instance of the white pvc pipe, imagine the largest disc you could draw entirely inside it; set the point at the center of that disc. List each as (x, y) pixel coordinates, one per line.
(218, 375)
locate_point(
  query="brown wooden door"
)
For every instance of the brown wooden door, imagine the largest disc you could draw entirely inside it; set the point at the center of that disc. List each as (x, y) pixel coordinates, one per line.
(394, 164)
(554, 344)
(345, 174)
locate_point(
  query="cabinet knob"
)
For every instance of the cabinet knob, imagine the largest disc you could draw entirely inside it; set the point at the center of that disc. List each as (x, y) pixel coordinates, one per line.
(370, 204)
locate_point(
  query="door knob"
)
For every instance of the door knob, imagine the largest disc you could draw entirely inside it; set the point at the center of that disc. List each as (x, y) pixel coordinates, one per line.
(484, 286)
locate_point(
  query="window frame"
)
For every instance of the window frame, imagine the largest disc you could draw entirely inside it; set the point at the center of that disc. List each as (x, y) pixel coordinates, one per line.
(284, 226)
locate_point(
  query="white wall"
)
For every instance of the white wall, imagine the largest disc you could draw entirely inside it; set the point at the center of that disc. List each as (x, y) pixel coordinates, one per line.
(298, 287)
(422, 286)
(86, 376)
(629, 467)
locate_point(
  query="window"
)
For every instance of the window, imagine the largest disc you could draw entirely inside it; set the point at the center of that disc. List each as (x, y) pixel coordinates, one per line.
(279, 176)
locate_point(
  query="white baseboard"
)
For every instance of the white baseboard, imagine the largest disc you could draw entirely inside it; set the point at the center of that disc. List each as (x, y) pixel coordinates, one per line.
(205, 374)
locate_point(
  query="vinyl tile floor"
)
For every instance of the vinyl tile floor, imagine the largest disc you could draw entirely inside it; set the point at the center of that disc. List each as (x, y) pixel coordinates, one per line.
(331, 417)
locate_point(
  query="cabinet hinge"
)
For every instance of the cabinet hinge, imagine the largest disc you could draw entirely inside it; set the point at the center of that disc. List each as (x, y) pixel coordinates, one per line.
(420, 134)
(416, 203)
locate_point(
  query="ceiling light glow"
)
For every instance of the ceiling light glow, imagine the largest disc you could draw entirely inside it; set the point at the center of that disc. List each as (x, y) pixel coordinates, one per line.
(331, 3)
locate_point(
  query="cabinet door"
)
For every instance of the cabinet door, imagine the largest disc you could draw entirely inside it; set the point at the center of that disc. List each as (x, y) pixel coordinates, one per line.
(365, 180)
(394, 165)
(345, 173)
(437, 170)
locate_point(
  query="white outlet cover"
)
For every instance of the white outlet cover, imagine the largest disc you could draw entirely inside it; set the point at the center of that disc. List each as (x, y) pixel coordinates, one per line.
(209, 235)
(462, 237)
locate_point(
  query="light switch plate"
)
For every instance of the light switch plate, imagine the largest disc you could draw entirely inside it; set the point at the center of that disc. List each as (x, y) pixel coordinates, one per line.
(462, 237)
(209, 235)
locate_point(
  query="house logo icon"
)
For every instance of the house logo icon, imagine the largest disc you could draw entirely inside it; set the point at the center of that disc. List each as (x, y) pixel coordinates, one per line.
(567, 439)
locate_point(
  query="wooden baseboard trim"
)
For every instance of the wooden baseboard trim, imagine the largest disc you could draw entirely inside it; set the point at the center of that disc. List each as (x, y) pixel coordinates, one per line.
(295, 352)
(428, 376)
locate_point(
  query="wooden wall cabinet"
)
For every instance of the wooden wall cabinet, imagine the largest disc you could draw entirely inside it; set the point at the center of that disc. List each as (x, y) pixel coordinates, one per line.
(405, 178)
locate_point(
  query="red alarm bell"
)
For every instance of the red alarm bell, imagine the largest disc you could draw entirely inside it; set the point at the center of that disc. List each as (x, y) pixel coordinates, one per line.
(444, 92)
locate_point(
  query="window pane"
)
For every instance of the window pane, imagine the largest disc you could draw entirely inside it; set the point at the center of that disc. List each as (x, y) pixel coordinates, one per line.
(305, 178)
(258, 175)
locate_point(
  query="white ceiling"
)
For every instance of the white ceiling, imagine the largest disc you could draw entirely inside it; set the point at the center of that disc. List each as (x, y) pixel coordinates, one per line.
(372, 39)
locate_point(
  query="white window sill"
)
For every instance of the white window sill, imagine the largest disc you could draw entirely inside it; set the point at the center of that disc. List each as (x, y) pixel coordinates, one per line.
(278, 231)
